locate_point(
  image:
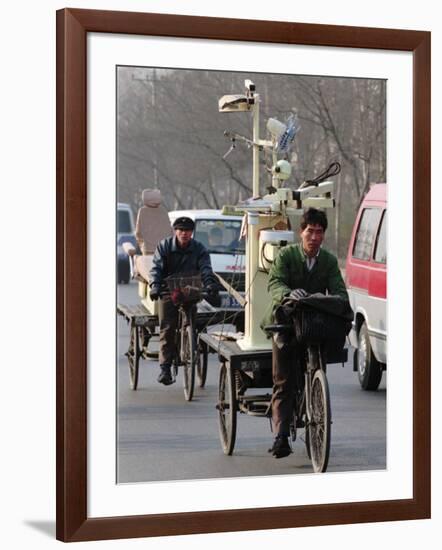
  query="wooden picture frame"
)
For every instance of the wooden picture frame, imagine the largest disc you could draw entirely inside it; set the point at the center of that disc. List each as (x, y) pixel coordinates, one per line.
(73, 523)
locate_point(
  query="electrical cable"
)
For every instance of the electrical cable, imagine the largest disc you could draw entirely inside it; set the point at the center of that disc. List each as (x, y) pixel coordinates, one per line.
(333, 170)
(265, 259)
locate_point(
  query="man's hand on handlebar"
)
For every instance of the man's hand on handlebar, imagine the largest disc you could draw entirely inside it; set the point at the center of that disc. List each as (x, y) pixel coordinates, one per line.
(212, 291)
(298, 293)
(154, 293)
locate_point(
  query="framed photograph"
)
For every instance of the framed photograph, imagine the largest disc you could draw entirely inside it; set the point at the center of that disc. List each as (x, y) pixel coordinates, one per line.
(119, 73)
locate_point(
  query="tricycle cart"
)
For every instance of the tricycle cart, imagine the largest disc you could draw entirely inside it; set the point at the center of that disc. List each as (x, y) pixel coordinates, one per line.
(144, 327)
(241, 370)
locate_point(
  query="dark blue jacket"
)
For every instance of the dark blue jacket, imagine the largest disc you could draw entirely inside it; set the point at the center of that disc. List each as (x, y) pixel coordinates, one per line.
(171, 259)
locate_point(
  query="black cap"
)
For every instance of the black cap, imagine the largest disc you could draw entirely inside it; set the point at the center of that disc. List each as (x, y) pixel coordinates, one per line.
(184, 223)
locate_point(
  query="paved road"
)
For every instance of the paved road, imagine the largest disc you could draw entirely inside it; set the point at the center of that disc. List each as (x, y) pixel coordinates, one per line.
(163, 437)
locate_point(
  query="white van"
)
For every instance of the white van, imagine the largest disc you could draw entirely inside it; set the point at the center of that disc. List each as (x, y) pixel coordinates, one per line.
(366, 280)
(220, 233)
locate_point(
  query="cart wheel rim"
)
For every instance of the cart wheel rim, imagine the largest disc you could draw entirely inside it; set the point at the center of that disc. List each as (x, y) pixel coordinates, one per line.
(188, 356)
(319, 425)
(201, 365)
(133, 355)
(226, 409)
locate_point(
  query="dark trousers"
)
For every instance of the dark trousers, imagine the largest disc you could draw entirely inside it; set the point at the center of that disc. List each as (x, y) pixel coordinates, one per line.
(168, 317)
(284, 371)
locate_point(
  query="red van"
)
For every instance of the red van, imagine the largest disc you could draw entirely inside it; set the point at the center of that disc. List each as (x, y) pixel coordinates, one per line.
(366, 280)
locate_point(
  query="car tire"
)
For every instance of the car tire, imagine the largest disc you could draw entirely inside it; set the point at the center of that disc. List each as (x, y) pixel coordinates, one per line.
(369, 369)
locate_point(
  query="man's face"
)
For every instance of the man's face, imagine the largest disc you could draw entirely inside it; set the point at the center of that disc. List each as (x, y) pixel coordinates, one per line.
(183, 236)
(312, 237)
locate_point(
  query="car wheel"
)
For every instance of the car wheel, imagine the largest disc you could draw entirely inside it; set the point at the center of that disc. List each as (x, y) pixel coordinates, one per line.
(369, 369)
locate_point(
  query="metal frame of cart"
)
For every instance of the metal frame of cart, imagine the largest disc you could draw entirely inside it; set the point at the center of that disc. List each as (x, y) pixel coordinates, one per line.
(241, 370)
(143, 327)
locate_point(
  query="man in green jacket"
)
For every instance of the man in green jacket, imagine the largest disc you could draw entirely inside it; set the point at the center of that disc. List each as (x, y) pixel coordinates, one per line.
(299, 270)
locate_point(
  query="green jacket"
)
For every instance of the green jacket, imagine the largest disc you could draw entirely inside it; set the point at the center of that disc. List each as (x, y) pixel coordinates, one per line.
(289, 271)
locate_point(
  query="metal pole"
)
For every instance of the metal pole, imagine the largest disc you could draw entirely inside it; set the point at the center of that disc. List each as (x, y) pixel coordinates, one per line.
(256, 147)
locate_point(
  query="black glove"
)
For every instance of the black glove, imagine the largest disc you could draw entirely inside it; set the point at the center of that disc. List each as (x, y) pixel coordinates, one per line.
(298, 293)
(212, 291)
(154, 293)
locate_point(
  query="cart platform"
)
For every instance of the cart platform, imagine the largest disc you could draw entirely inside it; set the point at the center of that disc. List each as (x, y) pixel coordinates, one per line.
(138, 315)
(255, 365)
(229, 350)
(252, 360)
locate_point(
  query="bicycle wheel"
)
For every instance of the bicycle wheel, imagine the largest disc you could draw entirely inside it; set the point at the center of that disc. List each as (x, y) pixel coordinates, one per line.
(188, 359)
(133, 356)
(227, 406)
(201, 366)
(319, 425)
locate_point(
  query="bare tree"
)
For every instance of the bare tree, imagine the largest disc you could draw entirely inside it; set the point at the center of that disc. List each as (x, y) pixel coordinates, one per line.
(171, 136)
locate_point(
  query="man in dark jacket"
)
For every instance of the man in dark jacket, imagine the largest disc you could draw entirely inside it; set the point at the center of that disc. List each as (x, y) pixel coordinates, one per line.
(177, 255)
(299, 270)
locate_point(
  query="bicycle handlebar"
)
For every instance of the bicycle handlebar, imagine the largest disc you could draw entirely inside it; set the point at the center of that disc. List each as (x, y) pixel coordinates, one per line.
(202, 294)
(205, 291)
(278, 328)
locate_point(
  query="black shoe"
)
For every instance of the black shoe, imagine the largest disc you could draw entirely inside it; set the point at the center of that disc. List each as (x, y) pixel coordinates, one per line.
(165, 376)
(280, 447)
